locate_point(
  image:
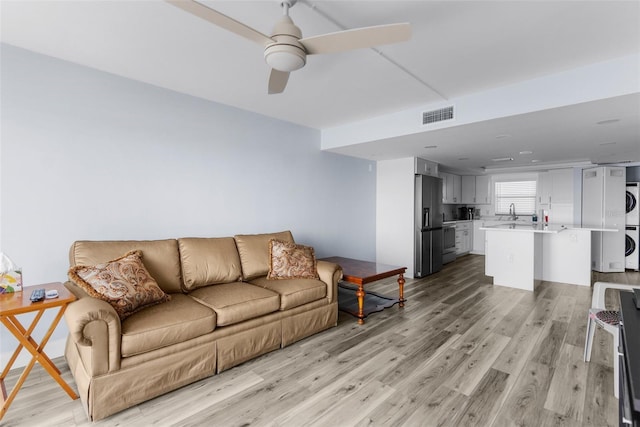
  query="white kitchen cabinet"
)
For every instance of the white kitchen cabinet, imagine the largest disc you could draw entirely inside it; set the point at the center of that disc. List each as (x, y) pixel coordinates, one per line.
(555, 186)
(562, 186)
(475, 190)
(468, 192)
(478, 237)
(464, 237)
(555, 195)
(447, 186)
(483, 190)
(426, 167)
(445, 179)
(603, 206)
(457, 189)
(544, 188)
(451, 188)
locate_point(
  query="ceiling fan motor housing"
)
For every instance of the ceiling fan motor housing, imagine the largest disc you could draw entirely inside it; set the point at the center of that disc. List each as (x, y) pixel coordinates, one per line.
(286, 53)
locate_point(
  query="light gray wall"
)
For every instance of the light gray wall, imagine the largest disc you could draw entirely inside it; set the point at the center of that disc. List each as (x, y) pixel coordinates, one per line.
(89, 155)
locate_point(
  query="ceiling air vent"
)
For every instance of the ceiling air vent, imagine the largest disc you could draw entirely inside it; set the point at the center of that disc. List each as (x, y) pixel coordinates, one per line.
(429, 117)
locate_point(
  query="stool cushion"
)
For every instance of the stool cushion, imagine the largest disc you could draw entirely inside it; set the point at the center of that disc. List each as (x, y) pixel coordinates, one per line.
(608, 316)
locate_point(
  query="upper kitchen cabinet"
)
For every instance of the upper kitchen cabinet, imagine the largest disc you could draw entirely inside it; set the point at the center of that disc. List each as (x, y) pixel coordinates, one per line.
(556, 186)
(426, 167)
(555, 195)
(483, 190)
(474, 190)
(468, 195)
(544, 188)
(451, 188)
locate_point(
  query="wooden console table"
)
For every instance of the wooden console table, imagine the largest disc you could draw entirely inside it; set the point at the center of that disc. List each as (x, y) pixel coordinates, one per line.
(19, 303)
(363, 272)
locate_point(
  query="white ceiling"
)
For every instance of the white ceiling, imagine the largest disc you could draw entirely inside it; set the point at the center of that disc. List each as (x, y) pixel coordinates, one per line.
(457, 48)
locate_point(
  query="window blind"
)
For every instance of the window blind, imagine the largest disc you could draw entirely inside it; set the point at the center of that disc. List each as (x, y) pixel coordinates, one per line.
(521, 193)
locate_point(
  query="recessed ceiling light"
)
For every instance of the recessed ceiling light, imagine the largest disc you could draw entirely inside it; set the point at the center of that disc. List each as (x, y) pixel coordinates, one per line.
(431, 146)
(535, 161)
(607, 143)
(502, 159)
(526, 152)
(502, 136)
(607, 122)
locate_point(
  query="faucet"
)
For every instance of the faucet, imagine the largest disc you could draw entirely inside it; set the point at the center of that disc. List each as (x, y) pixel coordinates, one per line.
(512, 212)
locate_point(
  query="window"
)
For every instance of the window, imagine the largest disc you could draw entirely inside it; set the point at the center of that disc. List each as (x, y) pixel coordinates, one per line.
(521, 193)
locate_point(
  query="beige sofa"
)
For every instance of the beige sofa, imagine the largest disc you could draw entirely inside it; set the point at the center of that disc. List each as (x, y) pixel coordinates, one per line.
(223, 311)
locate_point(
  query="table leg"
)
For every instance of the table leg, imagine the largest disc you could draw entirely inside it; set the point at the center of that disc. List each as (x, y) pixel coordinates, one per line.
(401, 289)
(38, 355)
(23, 332)
(360, 294)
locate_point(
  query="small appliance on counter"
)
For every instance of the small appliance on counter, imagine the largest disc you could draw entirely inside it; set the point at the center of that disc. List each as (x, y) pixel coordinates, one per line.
(465, 214)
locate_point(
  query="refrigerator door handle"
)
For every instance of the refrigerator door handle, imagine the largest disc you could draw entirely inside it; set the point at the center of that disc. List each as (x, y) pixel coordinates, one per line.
(425, 218)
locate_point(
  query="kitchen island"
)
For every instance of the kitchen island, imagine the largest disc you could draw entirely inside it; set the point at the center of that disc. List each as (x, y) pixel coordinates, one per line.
(518, 255)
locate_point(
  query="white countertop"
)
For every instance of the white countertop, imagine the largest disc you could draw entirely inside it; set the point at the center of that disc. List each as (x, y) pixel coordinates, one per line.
(539, 228)
(456, 221)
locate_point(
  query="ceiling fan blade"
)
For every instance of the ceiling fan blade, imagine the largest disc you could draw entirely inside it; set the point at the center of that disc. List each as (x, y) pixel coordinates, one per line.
(277, 81)
(221, 20)
(357, 38)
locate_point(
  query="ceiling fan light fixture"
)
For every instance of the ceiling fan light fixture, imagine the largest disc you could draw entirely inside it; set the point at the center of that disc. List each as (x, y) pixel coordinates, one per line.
(285, 50)
(285, 58)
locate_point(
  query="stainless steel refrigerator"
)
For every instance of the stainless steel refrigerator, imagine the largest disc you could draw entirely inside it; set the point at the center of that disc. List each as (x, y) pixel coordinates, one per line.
(428, 225)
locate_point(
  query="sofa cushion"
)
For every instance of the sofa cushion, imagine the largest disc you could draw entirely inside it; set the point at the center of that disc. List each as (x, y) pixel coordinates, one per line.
(209, 261)
(123, 282)
(160, 257)
(236, 302)
(254, 252)
(290, 261)
(294, 292)
(178, 320)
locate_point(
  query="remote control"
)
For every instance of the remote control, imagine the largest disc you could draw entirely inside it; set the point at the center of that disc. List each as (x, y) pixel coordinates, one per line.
(37, 295)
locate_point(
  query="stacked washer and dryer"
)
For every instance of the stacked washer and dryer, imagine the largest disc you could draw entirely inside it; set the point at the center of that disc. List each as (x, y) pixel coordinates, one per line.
(632, 220)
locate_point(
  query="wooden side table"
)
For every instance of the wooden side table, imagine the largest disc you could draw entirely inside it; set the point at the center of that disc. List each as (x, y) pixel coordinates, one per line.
(19, 303)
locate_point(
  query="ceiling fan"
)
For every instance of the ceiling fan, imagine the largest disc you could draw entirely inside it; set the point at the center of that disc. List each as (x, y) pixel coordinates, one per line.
(286, 50)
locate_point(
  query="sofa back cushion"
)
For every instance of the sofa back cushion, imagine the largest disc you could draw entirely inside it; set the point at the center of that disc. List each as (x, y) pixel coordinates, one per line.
(160, 257)
(209, 261)
(254, 252)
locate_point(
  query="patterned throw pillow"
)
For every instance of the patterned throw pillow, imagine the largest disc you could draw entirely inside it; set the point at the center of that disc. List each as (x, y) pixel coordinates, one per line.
(124, 283)
(291, 261)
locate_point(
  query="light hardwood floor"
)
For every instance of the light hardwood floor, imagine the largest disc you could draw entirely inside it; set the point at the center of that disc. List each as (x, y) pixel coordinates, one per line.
(461, 353)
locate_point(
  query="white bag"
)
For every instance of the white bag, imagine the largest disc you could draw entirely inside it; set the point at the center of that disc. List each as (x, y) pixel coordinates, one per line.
(10, 275)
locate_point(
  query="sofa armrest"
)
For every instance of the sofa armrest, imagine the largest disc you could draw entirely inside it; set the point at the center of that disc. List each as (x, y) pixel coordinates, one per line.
(94, 327)
(330, 274)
